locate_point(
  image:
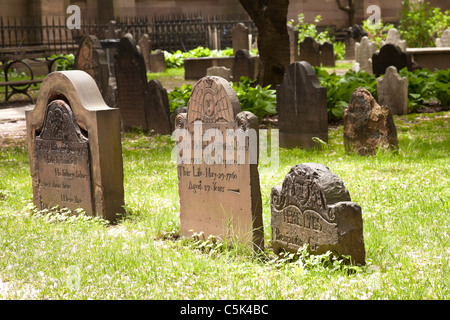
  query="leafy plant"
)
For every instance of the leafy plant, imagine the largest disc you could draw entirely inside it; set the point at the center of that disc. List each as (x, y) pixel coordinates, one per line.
(179, 97)
(310, 30)
(63, 64)
(376, 31)
(175, 59)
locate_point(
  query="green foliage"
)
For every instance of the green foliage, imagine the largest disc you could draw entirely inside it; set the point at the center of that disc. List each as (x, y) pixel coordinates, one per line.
(339, 50)
(63, 64)
(179, 97)
(421, 24)
(376, 31)
(261, 101)
(175, 59)
(310, 30)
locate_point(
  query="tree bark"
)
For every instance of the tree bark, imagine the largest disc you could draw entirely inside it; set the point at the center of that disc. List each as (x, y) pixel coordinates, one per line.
(350, 9)
(270, 17)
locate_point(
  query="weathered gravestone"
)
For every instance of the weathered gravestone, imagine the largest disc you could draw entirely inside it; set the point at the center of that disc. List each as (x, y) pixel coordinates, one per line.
(367, 125)
(390, 55)
(310, 51)
(364, 51)
(293, 41)
(353, 36)
(327, 58)
(302, 107)
(144, 44)
(157, 62)
(74, 147)
(392, 91)
(91, 58)
(313, 208)
(218, 166)
(444, 40)
(240, 38)
(244, 65)
(158, 111)
(219, 71)
(134, 100)
(393, 37)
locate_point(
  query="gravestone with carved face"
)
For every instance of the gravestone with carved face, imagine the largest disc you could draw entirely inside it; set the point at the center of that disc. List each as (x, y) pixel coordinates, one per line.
(217, 157)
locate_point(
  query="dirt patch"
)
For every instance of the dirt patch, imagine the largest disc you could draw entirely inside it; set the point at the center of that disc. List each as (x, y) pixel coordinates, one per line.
(12, 134)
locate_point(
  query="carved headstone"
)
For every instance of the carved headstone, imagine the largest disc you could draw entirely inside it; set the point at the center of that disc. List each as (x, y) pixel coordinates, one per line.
(393, 37)
(313, 208)
(302, 107)
(244, 65)
(367, 125)
(218, 166)
(444, 40)
(74, 147)
(392, 91)
(310, 51)
(364, 51)
(144, 44)
(219, 71)
(327, 58)
(390, 55)
(157, 62)
(158, 111)
(240, 38)
(293, 40)
(91, 59)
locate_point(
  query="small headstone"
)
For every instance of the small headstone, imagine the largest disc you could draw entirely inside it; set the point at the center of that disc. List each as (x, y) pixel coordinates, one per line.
(364, 51)
(157, 62)
(240, 38)
(367, 125)
(91, 59)
(393, 37)
(293, 40)
(327, 58)
(354, 35)
(144, 44)
(218, 170)
(219, 71)
(302, 107)
(313, 208)
(244, 65)
(158, 111)
(349, 48)
(444, 40)
(310, 51)
(392, 91)
(74, 147)
(390, 55)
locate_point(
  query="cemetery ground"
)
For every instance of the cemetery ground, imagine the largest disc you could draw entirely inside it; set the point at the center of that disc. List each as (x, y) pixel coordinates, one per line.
(404, 197)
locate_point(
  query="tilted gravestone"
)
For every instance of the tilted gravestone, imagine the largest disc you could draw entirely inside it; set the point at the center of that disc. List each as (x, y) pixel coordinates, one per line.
(144, 44)
(293, 40)
(302, 107)
(158, 111)
(157, 62)
(310, 51)
(74, 147)
(390, 55)
(367, 125)
(444, 40)
(313, 208)
(327, 58)
(240, 38)
(134, 99)
(393, 37)
(244, 65)
(364, 51)
(392, 91)
(91, 59)
(217, 163)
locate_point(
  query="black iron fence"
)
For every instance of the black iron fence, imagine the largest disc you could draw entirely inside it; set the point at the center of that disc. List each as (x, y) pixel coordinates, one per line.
(170, 32)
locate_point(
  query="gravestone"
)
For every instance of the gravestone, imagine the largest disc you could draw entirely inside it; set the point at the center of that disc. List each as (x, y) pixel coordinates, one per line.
(240, 38)
(293, 41)
(327, 58)
(444, 40)
(74, 147)
(364, 51)
(144, 44)
(313, 208)
(219, 71)
(367, 125)
(91, 59)
(138, 108)
(353, 36)
(390, 55)
(219, 181)
(393, 37)
(310, 51)
(244, 65)
(392, 91)
(157, 62)
(301, 107)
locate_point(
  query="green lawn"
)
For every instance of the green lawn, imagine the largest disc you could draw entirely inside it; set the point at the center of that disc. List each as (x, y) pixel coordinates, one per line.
(405, 199)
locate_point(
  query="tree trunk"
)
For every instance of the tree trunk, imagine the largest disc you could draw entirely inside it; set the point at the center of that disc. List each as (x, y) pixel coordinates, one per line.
(270, 17)
(350, 9)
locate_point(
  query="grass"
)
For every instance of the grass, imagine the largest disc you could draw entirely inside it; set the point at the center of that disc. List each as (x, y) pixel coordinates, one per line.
(404, 198)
